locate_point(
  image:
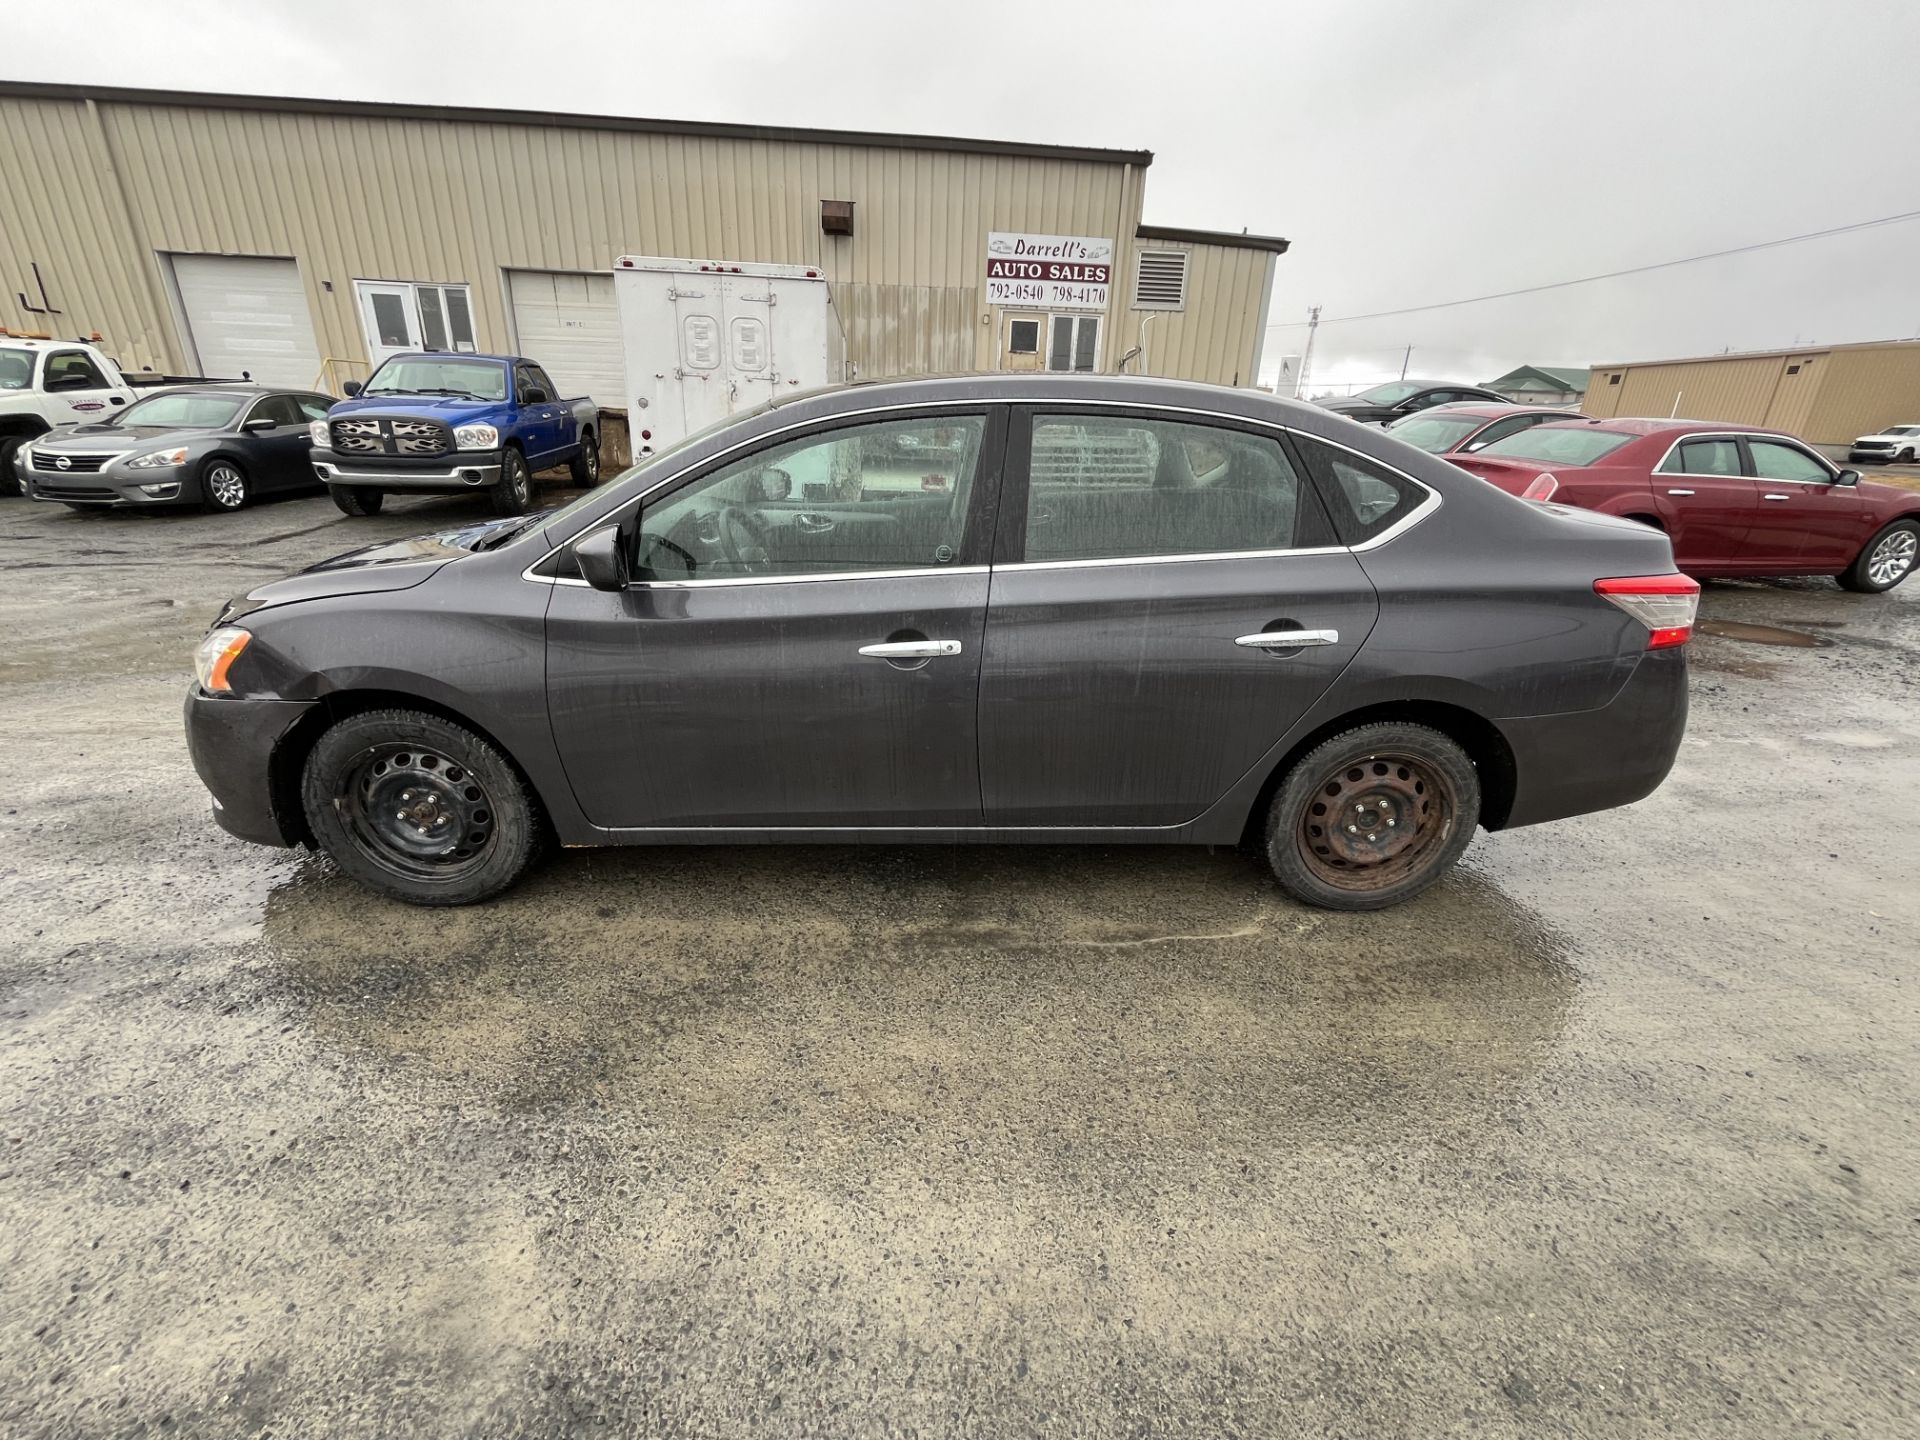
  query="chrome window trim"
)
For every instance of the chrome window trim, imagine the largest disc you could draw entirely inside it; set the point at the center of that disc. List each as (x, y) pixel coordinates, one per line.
(1110, 560)
(1833, 471)
(1399, 527)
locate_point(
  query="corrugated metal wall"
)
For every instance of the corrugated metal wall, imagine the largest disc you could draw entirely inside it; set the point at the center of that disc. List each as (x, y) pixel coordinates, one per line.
(98, 193)
(1826, 396)
(1214, 338)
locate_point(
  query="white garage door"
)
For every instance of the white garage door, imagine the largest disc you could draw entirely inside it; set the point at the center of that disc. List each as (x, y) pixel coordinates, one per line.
(569, 326)
(248, 317)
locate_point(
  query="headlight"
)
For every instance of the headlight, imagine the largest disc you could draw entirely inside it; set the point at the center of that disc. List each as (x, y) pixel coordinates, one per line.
(216, 656)
(176, 456)
(476, 437)
(317, 433)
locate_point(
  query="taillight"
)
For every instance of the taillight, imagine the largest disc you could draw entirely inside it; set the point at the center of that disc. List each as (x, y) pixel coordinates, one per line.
(1542, 487)
(1665, 604)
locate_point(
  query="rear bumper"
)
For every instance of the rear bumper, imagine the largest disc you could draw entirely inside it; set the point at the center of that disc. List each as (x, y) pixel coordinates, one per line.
(231, 743)
(1597, 759)
(466, 470)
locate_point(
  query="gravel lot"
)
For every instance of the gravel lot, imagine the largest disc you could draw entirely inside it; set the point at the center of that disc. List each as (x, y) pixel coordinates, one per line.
(1612, 1134)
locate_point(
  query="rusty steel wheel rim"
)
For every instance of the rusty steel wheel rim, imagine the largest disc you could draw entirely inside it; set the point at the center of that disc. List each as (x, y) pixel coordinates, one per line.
(1373, 822)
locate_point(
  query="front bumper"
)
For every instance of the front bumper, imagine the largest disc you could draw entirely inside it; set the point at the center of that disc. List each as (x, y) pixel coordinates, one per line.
(112, 485)
(1856, 455)
(232, 744)
(1597, 759)
(463, 470)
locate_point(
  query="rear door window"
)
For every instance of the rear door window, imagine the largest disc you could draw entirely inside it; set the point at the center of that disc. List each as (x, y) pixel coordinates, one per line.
(1110, 487)
(1703, 457)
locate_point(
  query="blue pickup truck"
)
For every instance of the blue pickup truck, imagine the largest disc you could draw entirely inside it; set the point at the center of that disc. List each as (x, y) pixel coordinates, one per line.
(452, 423)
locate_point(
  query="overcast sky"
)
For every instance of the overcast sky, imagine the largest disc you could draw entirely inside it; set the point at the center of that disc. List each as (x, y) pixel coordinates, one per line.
(1413, 150)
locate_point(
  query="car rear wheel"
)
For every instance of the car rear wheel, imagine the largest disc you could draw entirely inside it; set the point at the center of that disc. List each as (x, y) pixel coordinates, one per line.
(416, 807)
(585, 465)
(357, 499)
(223, 487)
(513, 492)
(1372, 817)
(1887, 559)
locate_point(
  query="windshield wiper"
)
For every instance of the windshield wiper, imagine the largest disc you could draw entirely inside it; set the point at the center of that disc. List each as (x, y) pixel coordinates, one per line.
(427, 390)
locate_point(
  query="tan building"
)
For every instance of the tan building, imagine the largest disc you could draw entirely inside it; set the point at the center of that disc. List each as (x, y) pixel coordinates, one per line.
(295, 239)
(1824, 393)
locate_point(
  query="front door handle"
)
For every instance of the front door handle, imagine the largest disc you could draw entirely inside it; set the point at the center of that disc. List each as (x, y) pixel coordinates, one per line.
(911, 649)
(1679, 492)
(1288, 639)
(1776, 497)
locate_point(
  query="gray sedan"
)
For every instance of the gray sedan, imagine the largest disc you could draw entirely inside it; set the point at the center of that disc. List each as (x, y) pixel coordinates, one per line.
(994, 609)
(212, 446)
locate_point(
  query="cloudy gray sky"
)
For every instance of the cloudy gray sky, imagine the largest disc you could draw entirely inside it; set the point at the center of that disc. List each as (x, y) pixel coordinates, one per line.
(1414, 150)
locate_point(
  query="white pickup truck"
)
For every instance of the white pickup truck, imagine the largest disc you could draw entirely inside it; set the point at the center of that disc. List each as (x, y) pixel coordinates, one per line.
(44, 383)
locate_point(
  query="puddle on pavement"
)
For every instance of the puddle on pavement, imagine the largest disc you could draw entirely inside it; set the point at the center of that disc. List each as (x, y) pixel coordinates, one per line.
(1762, 634)
(771, 988)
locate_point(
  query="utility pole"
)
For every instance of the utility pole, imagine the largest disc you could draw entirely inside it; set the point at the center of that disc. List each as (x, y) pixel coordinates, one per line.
(1306, 359)
(1406, 360)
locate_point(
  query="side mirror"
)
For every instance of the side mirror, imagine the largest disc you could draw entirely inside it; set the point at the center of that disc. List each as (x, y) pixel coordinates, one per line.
(600, 557)
(1847, 477)
(259, 427)
(535, 396)
(350, 389)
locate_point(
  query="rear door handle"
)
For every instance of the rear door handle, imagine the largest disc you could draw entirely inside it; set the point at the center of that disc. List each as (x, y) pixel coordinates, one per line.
(1679, 492)
(1776, 497)
(1288, 639)
(911, 649)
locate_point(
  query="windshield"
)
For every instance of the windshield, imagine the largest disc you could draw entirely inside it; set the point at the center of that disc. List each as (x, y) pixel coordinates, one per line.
(1890, 430)
(183, 410)
(436, 375)
(16, 369)
(1435, 433)
(1564, 446)
(1392, 393)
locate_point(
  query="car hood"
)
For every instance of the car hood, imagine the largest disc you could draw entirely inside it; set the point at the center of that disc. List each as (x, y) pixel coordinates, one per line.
(1346, 404)
(91, 437)
(387, 565)
(1890, 439)
(450, 408)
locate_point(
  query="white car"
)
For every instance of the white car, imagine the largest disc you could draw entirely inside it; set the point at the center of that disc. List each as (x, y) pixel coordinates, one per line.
(46, 383)
(1900, 443)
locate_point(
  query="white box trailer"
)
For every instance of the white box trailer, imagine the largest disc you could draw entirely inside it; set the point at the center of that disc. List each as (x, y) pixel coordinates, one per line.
(706, 338)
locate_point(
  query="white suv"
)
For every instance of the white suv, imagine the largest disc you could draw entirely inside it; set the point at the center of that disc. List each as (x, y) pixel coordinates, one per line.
(1900, 443)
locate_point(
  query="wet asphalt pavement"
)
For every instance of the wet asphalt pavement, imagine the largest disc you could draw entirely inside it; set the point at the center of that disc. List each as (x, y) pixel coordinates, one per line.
(1614, 1133)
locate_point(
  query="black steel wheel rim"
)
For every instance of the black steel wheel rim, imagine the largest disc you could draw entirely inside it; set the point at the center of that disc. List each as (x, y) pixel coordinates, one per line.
(1374, 822)
(414, 811)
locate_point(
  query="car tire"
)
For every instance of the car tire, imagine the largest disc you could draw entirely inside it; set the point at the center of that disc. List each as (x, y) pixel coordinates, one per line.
(1885, 560)
(1905, 457)
(585, 465)
(9, 449)
(513, 492)
(357, 499)
(1413, 798)
(420, 809)
(223, 486)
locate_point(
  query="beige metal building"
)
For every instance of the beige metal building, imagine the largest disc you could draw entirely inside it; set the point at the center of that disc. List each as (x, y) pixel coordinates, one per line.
(1825, 393)
(295, 239)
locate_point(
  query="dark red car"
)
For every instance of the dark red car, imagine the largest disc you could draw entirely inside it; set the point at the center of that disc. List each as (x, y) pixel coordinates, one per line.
(1452, 430)
(1735, 500)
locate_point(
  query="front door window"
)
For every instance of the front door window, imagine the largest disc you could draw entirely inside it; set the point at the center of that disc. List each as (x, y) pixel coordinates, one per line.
(892, 496)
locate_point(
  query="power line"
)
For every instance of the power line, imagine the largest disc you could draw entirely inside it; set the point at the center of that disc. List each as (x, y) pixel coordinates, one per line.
(1609, 275)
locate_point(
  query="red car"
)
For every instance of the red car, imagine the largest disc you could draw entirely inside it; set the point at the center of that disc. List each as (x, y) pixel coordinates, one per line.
(1735, 500)
(1452, 430)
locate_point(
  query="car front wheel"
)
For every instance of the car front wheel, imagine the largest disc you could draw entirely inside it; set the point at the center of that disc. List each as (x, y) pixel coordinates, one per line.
(357, 499)
(416, 807)
(223, 487)
(513, 492)
(1887, 559)
(1372, 817)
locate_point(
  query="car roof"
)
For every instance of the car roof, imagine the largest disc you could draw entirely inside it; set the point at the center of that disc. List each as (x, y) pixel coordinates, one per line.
(1487, 410)
(1642, 425)
(456, 355)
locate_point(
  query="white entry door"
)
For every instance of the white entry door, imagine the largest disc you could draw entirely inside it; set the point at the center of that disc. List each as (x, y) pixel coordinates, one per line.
(247, 318)
(399, 316)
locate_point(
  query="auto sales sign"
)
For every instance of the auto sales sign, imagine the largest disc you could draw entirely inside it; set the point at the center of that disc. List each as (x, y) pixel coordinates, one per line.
(1051, 272)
